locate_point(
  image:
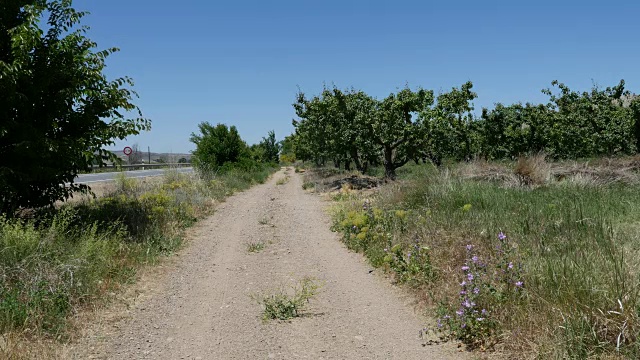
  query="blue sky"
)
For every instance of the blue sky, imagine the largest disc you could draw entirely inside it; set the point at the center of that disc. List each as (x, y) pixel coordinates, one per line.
(241, 62)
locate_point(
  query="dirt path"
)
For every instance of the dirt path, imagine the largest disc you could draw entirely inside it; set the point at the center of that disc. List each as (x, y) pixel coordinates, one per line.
(202, 309)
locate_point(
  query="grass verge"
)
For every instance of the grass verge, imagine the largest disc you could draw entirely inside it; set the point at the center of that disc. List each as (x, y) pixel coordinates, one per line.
(530, 265)
(73, 257)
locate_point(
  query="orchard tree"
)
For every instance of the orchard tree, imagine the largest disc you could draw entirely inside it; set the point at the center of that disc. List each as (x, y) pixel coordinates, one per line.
(337, 125)
(450, 126)
(58, 111)
(590, 123)
(217, 145)
(314, 136)
(396, 129)
(352, 127)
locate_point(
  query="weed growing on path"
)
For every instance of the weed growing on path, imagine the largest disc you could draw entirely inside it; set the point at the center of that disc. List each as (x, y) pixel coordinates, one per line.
(282, 305)
(255, 247)
(283, 180)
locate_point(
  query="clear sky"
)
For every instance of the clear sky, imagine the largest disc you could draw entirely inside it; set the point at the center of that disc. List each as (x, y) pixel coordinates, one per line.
(241, 62)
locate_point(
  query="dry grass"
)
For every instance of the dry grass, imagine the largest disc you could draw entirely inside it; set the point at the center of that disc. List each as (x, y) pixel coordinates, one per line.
(533, 170)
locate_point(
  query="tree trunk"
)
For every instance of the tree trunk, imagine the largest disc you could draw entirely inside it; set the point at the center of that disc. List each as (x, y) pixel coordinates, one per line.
(347, 165)
(389, 166)
(356, 160)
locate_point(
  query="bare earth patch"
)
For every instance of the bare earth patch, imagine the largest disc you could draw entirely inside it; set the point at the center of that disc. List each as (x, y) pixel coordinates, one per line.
(200, 306)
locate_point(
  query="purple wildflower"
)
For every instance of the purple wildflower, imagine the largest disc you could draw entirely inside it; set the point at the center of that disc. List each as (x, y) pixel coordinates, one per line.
(469, 247)
(474, 259)
(460, 312)
(476, 291)
(510, 266)
(480, 319)
(463, 283)
(465, 268)
(467, 303)
(502, 236)
(463, 292)
(519, 283)
(470, 277)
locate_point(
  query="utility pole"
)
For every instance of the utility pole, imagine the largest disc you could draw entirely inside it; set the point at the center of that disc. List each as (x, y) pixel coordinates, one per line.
(149, 151)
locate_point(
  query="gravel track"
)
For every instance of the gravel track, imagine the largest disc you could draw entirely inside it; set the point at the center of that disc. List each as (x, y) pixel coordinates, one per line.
(201, 306)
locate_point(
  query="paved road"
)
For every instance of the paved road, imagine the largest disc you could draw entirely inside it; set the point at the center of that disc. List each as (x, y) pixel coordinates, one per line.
(111, 176)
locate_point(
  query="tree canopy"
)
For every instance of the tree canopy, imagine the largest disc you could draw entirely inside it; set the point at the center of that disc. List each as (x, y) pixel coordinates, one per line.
(217, 146)
(58, 110)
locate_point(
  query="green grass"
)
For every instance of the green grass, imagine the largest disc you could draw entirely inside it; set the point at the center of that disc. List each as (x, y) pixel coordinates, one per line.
(571, 249)
(71, 258)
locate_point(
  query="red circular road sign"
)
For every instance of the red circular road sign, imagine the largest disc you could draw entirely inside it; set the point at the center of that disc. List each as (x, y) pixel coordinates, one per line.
(127, 151)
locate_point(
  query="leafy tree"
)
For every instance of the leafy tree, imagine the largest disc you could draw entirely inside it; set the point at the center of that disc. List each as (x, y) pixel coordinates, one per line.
(312, 132)
(218, 145)
(509, 131)
(271, 148)
(288, 150)
(570, 125)
(337, 125)
(397, 130)
(352, 127)
(450, 125)
(58, 110)
(183, 160)
(590, 123)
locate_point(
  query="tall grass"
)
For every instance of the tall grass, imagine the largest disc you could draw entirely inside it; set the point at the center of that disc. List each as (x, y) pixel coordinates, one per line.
(561, 281)
(66, 259)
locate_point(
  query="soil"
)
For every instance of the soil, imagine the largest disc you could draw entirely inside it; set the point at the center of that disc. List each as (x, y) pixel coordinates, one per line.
(200, 304)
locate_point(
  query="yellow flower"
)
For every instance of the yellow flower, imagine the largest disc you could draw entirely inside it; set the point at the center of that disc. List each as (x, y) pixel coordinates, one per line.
(401, 214)
(466, 207)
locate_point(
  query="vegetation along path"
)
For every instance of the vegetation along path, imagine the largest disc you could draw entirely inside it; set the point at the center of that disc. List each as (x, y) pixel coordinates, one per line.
(206, 307)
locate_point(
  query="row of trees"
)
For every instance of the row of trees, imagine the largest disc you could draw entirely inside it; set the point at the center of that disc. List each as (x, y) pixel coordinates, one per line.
(220, 147)
(350, 127)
